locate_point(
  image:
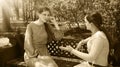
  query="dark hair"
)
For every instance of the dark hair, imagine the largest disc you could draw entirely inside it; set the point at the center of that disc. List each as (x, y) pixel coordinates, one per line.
(41, 9)
(97, 20)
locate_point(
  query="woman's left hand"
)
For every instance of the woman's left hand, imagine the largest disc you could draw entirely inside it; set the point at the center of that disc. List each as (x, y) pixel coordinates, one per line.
(67, 48)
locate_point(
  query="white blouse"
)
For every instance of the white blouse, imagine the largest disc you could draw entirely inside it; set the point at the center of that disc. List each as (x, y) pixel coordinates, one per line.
(98, 49)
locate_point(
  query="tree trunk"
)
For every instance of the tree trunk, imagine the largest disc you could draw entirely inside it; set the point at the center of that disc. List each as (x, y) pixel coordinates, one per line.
(16, 9)
(17, 12)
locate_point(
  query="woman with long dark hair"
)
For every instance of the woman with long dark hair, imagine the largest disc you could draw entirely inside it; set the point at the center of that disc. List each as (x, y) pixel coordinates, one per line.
(97, 43)
(38, 34)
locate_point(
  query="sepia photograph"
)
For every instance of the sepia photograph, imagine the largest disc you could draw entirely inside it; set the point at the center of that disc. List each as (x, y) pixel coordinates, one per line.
(59, 33)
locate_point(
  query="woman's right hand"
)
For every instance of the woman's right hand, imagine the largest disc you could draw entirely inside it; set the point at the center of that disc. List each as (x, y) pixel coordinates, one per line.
(33, 54)
(82, 42)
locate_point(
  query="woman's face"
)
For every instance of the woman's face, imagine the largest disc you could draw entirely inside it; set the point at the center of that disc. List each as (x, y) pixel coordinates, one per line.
(44, 16)
(88, 25)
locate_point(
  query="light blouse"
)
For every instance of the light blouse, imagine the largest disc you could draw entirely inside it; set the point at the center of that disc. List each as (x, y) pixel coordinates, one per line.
(98, 49)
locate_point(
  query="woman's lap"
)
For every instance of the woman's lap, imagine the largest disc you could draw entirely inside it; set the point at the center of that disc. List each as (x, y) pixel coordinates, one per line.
(44, 61)
(83, 64)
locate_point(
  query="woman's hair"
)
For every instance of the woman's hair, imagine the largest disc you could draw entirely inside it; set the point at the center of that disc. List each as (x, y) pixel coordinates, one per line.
(41, 9)
(95, 18)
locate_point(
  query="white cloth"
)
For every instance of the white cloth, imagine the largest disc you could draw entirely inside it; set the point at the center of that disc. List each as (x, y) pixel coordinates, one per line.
(98, 50)
(84, 64)
(4, 41)
(40, 61)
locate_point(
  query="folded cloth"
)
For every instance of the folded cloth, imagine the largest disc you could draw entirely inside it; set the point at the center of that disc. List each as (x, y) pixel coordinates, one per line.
(4, 41)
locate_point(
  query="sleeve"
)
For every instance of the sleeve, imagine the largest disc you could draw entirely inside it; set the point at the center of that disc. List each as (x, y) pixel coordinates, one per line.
(86, 40)
(96, 48)
(28, 46)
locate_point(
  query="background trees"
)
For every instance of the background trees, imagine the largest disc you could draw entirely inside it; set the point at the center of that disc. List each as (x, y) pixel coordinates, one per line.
(72, 11)
(5, 26)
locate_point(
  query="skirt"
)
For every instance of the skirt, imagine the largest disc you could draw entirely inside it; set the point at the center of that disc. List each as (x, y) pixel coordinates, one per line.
(40, 61)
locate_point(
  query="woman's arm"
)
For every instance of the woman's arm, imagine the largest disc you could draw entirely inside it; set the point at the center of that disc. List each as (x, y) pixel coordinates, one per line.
(28, 46)
(95, 50)
(82, 42)
(86, 40)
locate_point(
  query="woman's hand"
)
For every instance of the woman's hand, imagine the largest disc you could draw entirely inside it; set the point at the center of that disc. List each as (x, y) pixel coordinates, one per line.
(52, 19)
(82, 42)
(32, 55)
(67, 48)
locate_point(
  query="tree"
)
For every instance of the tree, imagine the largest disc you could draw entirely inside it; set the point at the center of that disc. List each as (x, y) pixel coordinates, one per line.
(16, 6)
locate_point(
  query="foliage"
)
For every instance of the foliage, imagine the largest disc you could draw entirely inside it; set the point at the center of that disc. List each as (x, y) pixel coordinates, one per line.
(75, 10)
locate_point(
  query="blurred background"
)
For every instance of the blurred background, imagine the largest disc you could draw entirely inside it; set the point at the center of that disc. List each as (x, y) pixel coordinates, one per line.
(16, 14)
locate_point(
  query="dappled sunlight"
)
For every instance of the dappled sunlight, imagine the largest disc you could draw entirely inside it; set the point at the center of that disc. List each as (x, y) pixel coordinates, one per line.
(4, 8)
(6, 14)
(4, 5)
(12, 8)
(2, 2)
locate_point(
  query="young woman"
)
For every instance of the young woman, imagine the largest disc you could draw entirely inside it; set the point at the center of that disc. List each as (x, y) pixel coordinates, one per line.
(97, 44)
(38, 34)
